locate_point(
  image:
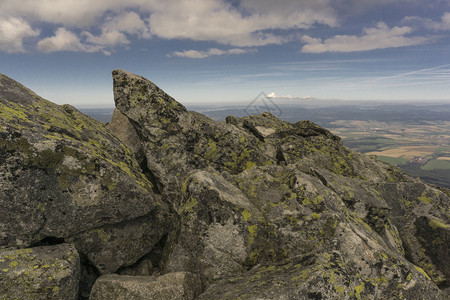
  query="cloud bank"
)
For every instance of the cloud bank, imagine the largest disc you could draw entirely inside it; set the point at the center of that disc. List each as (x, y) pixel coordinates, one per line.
(379, 37)
(12, 33)
(210, 52)
(106, 25)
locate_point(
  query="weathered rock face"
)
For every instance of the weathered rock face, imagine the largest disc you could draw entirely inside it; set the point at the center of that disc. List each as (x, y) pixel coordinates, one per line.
(65, 177)
(49, 272)
(172, 286)
(272, 209)
(249, 208)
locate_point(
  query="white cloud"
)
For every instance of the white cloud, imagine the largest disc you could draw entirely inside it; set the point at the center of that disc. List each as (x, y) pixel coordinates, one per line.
(113, 32)
(102, 25)
(214, 20)
(107, 38)
(210, 52)
(379, 37)
(247, 23)
(129, 22)
(12, 33)
(444, 24)
(292, 13)
(64, 40)
(70, 13)
(274, 96)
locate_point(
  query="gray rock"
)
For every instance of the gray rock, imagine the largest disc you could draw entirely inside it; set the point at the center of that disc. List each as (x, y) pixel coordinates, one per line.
(172, 286)
(253, 207)
(262, 200)
(124, 130)
(116, 246)
(176, 141)
(49, 272)
(65, 177)
(61, 167)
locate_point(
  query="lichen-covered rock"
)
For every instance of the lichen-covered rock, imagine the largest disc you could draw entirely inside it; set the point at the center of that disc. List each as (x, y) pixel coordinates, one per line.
(48, 272)
(172, 286)
(249, 208)
(176, 141)
(65, 177)
(263, 201)
(59, 166)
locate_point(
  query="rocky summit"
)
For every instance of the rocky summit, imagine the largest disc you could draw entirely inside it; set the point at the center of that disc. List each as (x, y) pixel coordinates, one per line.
(165, 203)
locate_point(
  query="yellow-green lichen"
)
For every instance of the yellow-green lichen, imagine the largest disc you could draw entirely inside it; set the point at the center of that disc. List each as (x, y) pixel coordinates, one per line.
(419, 269)
(246, 215)
(252, 231)
(358, 290)
(212, 149)
(249, 164)
(13, 264)
(423, 198)
(12, 112)
(315, 216)
(189, 205)
(41, 207)
(184, 187)
(437, 224)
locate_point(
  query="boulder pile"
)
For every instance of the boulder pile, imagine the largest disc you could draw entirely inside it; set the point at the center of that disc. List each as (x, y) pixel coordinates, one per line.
(165, 203)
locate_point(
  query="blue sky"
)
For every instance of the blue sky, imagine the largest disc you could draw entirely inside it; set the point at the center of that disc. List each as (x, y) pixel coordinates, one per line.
(215, 51)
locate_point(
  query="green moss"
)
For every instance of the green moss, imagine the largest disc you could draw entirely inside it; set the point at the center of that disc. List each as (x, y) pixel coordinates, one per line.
(315, 216)
(48, 159)
(63, 181)
(20, 144)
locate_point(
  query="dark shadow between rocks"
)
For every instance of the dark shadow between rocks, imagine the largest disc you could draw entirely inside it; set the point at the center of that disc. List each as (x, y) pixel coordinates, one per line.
(89, 275)
(48, 241)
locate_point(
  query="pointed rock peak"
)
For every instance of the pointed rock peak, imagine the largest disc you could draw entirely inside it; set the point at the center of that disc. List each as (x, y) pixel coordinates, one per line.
(135, 96)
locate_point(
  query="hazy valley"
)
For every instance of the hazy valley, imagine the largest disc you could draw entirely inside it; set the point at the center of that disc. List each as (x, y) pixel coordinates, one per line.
(414, 137)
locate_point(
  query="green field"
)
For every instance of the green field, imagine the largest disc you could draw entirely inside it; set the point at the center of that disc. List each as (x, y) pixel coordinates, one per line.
(436, 164)
(392, 160)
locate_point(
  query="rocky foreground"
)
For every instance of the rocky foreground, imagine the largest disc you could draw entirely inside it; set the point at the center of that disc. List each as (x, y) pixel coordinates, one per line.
(165, 203)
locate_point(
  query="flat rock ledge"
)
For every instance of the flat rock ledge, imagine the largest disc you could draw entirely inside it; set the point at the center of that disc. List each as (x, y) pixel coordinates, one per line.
(172, 286)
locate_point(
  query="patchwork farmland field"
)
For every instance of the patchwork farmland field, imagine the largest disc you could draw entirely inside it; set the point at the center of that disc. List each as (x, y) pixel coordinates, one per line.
(422, 150)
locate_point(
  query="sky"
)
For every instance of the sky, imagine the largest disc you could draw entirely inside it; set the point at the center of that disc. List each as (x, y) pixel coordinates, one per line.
(226, 51)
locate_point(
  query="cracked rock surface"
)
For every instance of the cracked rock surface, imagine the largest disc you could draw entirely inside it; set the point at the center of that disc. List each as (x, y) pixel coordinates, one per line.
(247, 208)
